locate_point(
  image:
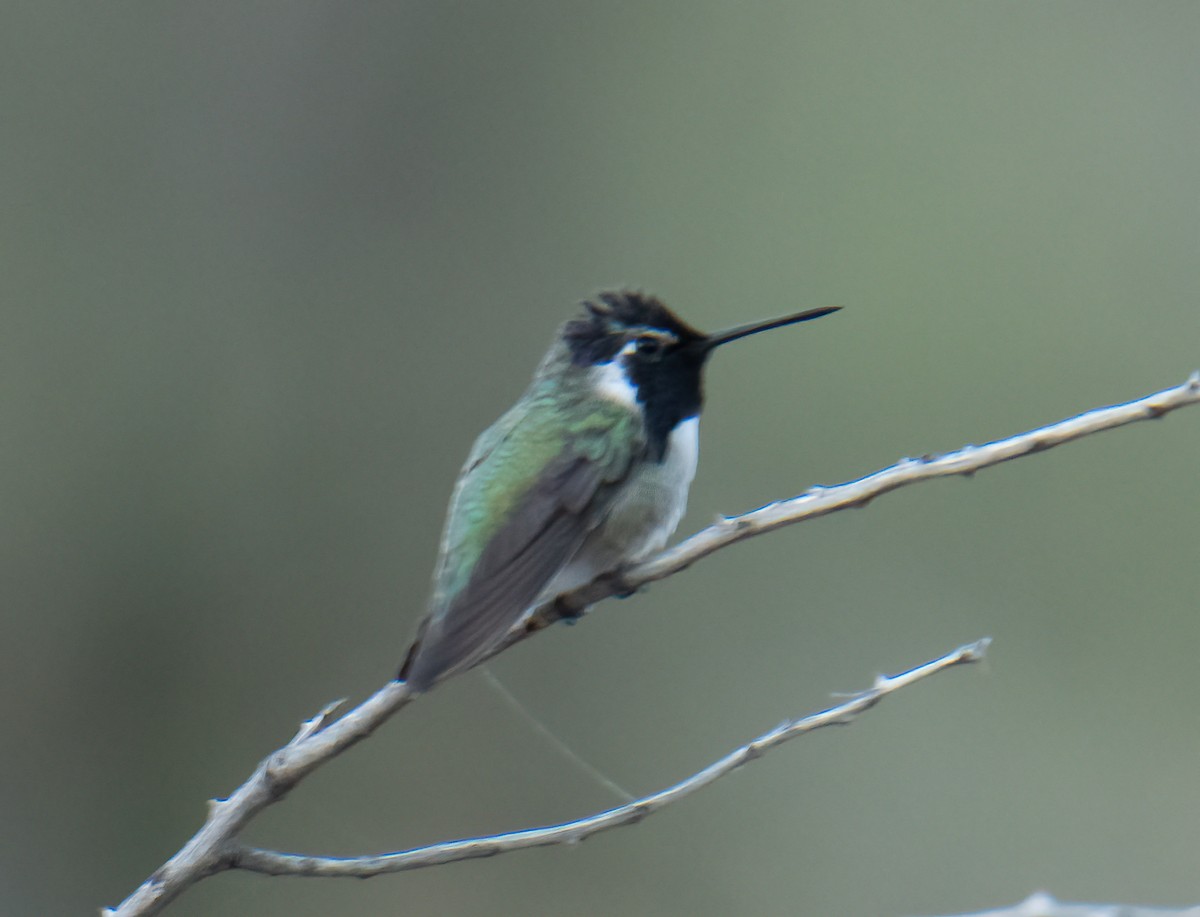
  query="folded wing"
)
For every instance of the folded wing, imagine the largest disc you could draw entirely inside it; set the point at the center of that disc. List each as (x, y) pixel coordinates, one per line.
(492, 573)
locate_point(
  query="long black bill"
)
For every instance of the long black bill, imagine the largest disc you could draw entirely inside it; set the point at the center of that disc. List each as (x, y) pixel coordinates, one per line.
(741, 331)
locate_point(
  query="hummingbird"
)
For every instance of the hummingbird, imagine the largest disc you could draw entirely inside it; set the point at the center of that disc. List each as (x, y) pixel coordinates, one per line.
(586, 474)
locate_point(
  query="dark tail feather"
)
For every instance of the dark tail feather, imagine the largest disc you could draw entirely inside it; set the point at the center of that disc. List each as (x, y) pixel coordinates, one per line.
(435, 654)
(418, 683)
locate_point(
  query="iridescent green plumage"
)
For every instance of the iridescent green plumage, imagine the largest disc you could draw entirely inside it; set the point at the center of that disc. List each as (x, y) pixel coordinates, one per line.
(535, 485)
(587, 473)
(511, 457)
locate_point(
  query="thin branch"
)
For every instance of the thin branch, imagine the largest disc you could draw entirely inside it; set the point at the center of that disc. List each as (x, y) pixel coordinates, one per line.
(1040, 904)
(320, 740)
(572, 832)
(821, 501)
(317, 742)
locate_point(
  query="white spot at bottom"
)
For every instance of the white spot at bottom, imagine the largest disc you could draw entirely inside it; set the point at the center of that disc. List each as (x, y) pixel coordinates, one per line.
(611, 382)
(683, 450)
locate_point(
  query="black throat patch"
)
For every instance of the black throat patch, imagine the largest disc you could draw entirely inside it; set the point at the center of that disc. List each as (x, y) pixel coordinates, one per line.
(668, 380)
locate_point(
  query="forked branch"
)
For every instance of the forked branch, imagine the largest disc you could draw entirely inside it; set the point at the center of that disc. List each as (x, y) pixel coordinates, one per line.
(212, 848)
(572, 832)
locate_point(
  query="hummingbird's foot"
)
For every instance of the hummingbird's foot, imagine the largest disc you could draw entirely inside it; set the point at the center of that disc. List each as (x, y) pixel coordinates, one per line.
(615, 582)
(568, 611)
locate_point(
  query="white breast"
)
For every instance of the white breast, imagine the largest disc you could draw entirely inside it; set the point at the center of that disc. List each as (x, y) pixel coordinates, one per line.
(658, 494)
(642, 517)
(683, 450)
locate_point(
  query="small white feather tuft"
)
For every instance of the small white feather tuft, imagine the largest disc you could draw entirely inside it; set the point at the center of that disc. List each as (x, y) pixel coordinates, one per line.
(610, 381)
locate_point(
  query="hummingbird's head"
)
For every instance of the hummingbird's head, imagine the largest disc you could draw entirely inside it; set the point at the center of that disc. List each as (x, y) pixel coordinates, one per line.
(639, 352)
(612, 322)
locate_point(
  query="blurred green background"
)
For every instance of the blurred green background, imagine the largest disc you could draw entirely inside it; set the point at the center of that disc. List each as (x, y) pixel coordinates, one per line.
(268, 268)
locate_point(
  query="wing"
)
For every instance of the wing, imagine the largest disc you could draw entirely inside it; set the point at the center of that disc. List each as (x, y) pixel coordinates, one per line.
(527, 499)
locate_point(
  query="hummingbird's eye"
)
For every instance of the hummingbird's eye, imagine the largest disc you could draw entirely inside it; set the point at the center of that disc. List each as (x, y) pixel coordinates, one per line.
(649, 346)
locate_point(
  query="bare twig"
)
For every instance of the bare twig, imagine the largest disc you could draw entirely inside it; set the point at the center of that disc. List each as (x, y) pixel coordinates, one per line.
(320, 740)
(316, 742)
(821, 501)
(1041, 904)
(572, 832)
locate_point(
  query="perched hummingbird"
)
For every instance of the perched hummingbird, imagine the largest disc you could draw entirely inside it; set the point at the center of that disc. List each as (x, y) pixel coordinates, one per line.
(587, 473)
